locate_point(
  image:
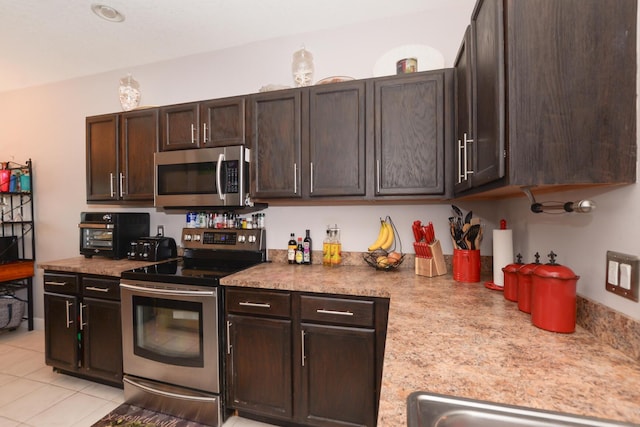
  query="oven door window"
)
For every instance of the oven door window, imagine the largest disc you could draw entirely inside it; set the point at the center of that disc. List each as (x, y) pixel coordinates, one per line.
(97, 238)
(168, 331)
(187, 178)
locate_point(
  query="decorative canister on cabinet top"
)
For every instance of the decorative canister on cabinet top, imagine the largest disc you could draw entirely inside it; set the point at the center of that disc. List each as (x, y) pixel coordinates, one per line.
(129, 91)
(302, 68)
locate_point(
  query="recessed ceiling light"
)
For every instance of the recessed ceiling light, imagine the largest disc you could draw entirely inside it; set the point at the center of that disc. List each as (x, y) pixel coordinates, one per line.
(107, 13)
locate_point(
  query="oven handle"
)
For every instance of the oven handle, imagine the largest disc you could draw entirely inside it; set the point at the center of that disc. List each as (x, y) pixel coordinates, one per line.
(167, 292)
(167, 393)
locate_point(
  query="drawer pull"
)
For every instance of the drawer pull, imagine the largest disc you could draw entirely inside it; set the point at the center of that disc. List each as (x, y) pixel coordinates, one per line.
(55, 283)
(93, 288)
(340, 313)
(255, 304)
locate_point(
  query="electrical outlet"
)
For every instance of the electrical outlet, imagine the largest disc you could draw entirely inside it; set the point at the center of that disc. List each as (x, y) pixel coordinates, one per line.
(160, 232)
(622, 275)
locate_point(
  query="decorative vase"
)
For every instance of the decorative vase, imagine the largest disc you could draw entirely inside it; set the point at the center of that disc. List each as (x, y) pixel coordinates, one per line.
(129, 91)
(302, 68)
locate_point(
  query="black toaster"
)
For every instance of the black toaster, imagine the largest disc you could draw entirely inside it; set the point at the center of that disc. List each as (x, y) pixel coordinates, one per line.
(155, 248)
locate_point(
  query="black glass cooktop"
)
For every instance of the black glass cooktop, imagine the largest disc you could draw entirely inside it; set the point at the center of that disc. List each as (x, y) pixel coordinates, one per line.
(179, 272)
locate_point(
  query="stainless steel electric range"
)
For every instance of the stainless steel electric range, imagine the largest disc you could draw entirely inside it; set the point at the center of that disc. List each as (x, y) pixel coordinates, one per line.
(171, 316)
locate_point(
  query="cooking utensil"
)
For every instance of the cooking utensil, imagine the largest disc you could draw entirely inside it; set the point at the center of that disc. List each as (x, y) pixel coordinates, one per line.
(471, 235)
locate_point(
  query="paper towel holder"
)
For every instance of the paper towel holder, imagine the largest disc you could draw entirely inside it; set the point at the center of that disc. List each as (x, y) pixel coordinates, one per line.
(582, 206)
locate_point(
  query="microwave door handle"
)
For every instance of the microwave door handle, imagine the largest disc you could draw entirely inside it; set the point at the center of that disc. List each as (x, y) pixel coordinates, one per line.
(219, 176)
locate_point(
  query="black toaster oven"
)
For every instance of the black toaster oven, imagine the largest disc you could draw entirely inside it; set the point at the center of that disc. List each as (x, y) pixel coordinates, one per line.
(109, 234)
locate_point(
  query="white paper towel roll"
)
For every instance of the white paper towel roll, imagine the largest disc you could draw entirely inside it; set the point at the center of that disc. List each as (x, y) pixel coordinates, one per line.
(502, 254)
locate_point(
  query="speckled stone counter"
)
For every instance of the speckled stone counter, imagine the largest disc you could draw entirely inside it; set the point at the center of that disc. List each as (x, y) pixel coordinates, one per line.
(96, 265)
(465, 340)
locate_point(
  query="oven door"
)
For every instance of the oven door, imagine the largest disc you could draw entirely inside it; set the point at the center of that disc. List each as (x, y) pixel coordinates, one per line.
(202, 177)
(170, 333)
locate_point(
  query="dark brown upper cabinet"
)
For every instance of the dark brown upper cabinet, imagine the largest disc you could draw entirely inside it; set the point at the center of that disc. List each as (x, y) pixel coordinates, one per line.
(213, 123)
(275, 132)
(412, 124)
(119, 154)
(356, 140)
(337, 137)
(549, 90)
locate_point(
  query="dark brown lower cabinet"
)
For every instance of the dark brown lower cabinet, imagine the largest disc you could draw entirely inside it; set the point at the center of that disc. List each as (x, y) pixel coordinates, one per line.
(260, 365)
(304, 359)
(338, 382)
(82, 326)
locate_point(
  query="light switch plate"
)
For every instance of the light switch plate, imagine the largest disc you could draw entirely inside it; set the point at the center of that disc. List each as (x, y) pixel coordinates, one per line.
(622, 275)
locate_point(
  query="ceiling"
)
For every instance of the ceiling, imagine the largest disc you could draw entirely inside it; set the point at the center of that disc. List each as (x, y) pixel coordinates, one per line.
(53, 40)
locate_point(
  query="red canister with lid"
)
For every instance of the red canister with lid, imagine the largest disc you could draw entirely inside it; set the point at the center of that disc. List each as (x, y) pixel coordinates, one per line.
(511, 279)
(524, 284)
(553, 306)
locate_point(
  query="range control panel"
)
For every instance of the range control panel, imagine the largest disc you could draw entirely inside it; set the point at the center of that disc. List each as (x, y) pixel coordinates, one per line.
(226, 239)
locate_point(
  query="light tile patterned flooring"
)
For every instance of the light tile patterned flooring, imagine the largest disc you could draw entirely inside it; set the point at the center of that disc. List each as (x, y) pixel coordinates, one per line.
(32, 395)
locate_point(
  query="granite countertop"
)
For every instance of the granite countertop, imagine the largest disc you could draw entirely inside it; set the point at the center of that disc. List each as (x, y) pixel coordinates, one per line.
(97, 265)
(465, 340)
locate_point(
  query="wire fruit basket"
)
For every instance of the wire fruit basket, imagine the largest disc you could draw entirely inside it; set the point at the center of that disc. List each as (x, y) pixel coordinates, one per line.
(389, 256)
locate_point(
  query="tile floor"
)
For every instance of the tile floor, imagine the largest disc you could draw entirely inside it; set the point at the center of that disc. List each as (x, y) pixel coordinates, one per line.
(32, 395)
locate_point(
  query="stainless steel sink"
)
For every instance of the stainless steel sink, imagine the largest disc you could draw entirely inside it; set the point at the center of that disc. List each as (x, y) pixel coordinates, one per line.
(437, 410)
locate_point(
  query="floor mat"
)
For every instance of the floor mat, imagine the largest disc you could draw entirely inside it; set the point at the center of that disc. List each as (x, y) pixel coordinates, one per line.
(127, 415)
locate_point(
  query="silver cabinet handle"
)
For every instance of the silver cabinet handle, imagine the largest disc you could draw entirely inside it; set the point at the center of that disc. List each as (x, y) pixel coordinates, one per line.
(467, 171)
(68, 306)
(377, 176)
(228, 337)
(55, 283)
(302, 356)
(122, 192)
(295, 178)
(93, 288)
(111, 191)
(193, 134)
(205, 138)
(255, 304)
(221, 195)
(460, 162)
(82, 324)
(311, 189)
(336, 312)
(167, 292)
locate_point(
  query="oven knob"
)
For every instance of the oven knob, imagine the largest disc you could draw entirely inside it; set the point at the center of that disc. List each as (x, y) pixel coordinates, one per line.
(241, 239)
(252, 238)
(196, 238)
(187, 237)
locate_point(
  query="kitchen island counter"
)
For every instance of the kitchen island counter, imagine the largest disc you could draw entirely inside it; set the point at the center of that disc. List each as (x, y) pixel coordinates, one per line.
(464, 340)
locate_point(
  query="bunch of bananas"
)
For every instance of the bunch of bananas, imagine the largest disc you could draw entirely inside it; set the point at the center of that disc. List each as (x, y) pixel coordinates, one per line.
(386, 236)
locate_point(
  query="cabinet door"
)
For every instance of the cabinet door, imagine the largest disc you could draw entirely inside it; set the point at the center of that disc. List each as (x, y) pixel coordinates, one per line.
(259, 365)
(275, 122)
(487, 37)
(410, 135)
(61, 331)
(138, 143)
(180, 126)
(337, 140)
(464, 115)
(102, 339)
(338, 376)
(102, 157)
(222, 122)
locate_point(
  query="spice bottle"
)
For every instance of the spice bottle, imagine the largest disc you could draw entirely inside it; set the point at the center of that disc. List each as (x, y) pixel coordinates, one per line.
(299, 252)
(326, 249)
(306, 246)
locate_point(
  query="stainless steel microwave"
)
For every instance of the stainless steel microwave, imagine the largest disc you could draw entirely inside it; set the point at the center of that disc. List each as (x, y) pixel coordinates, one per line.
(204, 177)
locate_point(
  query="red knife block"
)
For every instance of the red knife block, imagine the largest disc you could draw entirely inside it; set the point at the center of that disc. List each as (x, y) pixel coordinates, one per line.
(434, 266)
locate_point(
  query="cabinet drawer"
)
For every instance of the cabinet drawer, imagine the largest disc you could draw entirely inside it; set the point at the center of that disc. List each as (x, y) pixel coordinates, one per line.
(266, 303)
(61, 283)
(337, 310)
(101, 287)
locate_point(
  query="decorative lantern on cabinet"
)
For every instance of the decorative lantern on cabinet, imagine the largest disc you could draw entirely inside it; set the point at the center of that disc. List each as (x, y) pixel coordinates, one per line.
(302, 68)
(129, 91)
